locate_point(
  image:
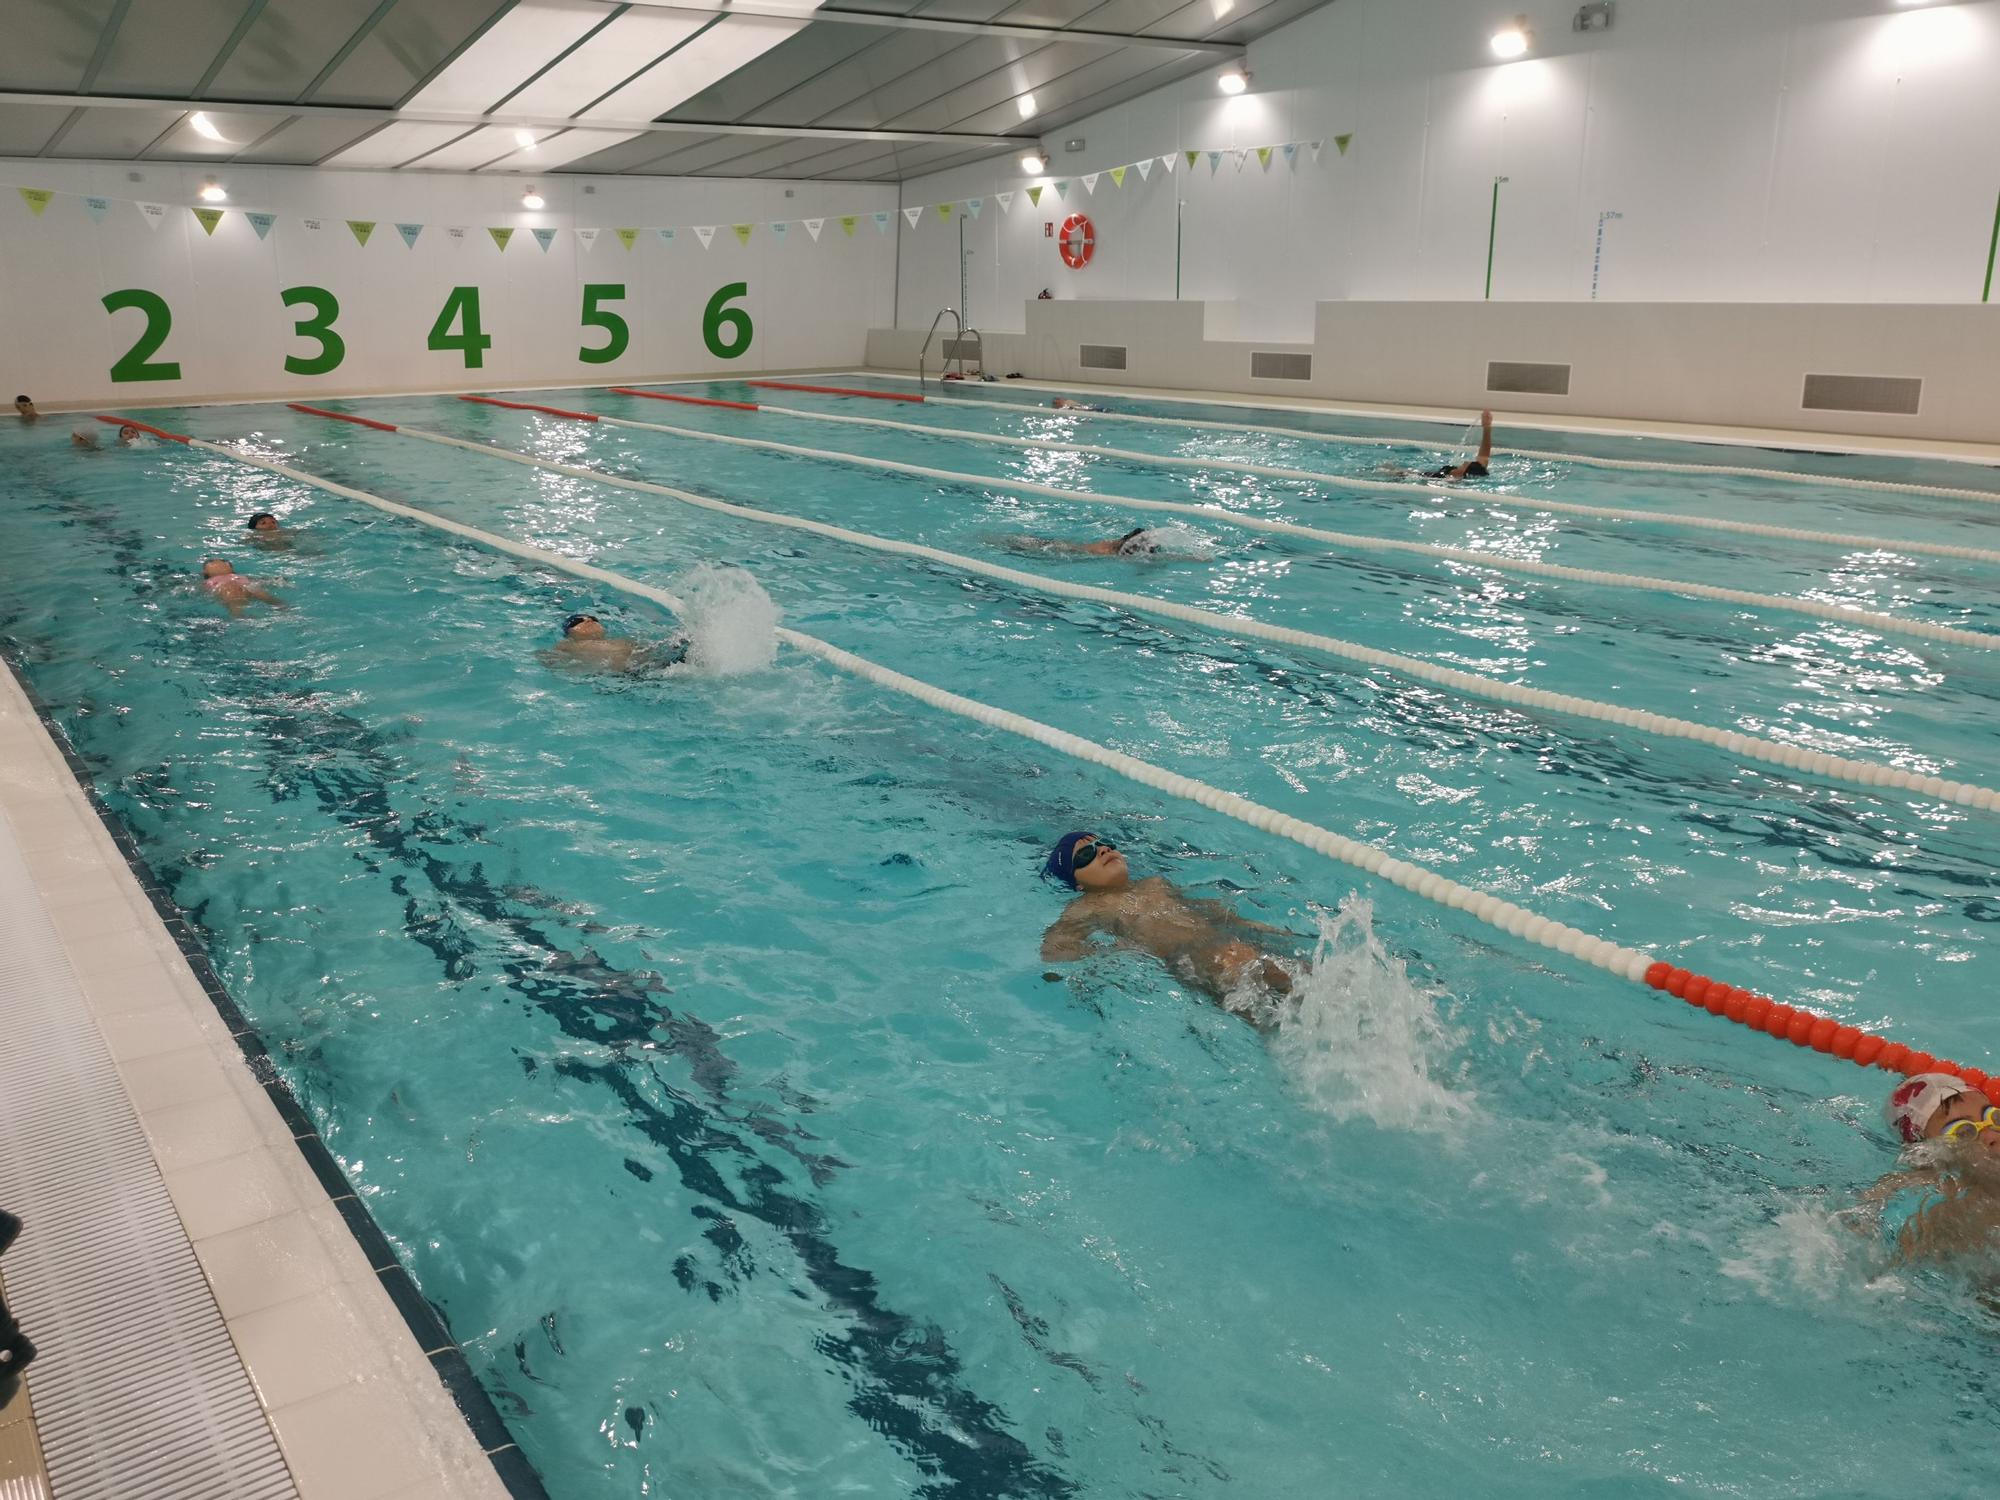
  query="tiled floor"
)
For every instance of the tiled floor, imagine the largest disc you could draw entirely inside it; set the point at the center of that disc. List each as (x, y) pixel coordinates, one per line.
(358, 1410)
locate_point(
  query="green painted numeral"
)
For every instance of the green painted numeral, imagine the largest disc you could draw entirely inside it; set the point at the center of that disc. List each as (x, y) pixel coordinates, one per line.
(137, 363)
(715, 317)
(318, 327)
(619, 333)
(462, 307)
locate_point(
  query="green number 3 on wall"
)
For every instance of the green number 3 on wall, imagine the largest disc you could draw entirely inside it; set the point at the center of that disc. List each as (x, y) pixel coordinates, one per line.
(318, 327)
(138, 363)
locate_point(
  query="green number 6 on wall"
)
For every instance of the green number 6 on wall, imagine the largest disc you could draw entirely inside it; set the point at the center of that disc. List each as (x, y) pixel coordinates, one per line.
(716, 317)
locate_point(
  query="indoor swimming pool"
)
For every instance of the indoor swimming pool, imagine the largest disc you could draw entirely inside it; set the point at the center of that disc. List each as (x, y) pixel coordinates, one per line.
(688, 1034)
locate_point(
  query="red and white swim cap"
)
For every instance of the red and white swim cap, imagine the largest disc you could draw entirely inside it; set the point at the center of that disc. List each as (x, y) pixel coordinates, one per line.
(1917, 1098)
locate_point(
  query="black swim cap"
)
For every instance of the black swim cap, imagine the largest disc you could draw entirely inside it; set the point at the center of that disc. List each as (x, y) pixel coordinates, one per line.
(29, 399)
(573, 621)
(262, 515)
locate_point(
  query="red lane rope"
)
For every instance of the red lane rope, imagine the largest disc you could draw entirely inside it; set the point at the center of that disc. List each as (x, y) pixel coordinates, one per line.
(626, 390)
(341, 416)
(552, 411)
(172, 437)
(1802, 1028)
(832, 390)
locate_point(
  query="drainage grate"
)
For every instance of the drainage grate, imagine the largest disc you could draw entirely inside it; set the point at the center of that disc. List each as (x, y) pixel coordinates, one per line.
(1888, 395)
(1272, 364)
(1102, 356)
(1524, 379)
(138, 1389)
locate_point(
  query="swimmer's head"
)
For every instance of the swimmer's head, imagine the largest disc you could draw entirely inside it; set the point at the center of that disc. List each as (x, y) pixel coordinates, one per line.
(583, 628)
(83, 437)
(216, 567)
(1085, 862)
(1929, 1106)
(128, 434)
(262, 521)
(24, 404)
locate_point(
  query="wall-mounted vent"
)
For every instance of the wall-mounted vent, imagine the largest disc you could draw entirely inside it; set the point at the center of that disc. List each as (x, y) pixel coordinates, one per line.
(1524, 379)
(1270, 364)
(955, 348)
(1890, 395)
(1101, 356)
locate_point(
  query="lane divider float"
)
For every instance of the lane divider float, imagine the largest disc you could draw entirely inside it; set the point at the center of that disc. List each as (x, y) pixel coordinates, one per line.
(1631, 965)
(1464, 556)
(626, 390)
(1467, 684)
(547, 411)
(341, 416)
(832, 390)
(158, 432)
(1451, 493)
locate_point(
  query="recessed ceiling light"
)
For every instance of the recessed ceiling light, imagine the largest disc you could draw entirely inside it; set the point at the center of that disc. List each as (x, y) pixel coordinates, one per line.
(1511, 41)
(525, 139)
(203, 125)
(1034, 164)
(1235, 81)
(531, 199)
(212, 192)
(1026, 105)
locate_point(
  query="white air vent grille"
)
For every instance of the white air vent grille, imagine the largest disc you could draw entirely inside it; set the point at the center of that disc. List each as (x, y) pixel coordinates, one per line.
(968, 348)
(1889, 395)
(1271, 364)
(1526, 379)
(1101, 356)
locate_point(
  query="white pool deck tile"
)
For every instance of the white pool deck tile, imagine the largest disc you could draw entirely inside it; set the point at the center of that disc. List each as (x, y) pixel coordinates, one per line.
(357, 1408)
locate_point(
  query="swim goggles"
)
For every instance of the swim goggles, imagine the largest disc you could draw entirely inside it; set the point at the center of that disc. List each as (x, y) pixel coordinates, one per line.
(1081, 856)
(575, 620)
(1965, 1130)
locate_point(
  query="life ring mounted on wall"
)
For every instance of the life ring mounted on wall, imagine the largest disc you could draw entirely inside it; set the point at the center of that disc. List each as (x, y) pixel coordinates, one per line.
(1078, 241)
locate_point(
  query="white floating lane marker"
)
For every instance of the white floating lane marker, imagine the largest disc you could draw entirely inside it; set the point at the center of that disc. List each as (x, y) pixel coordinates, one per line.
(1463, 555)
(1792, 757)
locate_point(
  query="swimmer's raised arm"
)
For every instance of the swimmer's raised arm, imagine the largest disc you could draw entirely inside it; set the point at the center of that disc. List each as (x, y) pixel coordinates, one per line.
(1068, 938)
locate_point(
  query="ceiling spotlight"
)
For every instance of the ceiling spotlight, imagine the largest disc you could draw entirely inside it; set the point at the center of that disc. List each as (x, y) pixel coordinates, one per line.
(1026, 104)
(531, 199)
(1235, 81)
(525, 139)
(1511, 41)
(211, 192)
(203, 125)
(1034, 164)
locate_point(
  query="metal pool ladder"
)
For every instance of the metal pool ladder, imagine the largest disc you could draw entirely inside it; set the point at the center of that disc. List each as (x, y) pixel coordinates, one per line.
(957, 354)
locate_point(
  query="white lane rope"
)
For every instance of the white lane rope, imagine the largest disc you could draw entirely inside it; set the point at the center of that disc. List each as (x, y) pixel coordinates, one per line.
(1664, 466)
(1628, 964)
(1792, 757)
(1438, 490)
(1462, 555)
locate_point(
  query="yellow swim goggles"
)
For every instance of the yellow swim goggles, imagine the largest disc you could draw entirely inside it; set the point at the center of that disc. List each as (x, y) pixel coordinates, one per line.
(1965, 1130)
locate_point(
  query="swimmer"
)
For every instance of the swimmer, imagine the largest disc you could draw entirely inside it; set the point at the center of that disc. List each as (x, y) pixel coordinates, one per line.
(1476, 469)
(234, 591)
(1138, 542)
(1949, 1127)
(1201, 942)
(24, 407)
(586, 646)
(83, 437)
(129, 436)
(1063, 403)
(265, 531)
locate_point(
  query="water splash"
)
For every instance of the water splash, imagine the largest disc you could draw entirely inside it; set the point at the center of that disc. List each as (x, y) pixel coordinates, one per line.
(1179, 539)
(731, 621)
(1804, 1247)
(1362, 1038)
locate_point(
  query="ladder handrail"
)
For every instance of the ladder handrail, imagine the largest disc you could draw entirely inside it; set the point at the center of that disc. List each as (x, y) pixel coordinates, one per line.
(978, 338)
(924, 353)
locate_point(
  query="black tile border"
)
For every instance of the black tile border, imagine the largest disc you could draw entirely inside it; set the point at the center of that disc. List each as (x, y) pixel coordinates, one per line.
(426, 1324)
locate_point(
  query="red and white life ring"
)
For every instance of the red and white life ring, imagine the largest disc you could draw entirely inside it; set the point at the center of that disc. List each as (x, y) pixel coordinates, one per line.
(1078, 241)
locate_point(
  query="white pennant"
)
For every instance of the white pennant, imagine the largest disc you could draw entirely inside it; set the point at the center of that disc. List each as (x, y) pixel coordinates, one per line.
(155, 214)
(456, 234)
(313, 224)
(589, 238)
(813, 227)
(1145, 168)
(913, 214)
(1318, 146)
(704, 233)
(1168, 163)
(1005, 200)
(1240, 156)
(1090, 182)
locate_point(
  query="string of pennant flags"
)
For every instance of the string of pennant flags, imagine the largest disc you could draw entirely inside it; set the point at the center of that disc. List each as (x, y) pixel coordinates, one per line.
(1288, 152)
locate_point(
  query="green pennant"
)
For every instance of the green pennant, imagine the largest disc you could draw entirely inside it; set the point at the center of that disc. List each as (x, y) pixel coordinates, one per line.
(1192, 156)
(1341, 142)
(1264, 157)
(1035, 196)
(37, 199)
(209, 217)
(1118, 177)
(944, 212)
(742, 233)
(500, 238)
(362, 229)
(847, 223)
(627, 237)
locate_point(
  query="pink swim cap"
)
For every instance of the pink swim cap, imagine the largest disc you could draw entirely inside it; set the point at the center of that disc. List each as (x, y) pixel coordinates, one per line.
(1917, 1098)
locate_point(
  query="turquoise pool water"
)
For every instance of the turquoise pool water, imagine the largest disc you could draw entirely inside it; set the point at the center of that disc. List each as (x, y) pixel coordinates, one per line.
(690, 1040)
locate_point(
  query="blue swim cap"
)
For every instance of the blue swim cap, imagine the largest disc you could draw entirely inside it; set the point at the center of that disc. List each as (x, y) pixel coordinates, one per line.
(1061, 864)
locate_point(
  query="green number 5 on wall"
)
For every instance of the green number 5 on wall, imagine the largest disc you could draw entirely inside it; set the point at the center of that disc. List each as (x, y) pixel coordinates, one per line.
(618, 333)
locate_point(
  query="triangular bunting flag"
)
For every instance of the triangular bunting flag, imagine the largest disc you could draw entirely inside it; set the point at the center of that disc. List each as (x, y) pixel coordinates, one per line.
(704, 233)
(261, 223)
(1146, 168)
(1263, 158)
(1062, 189)
(209, 218)
(152, 213)
(944, 212)
(881, 221)
(1242, 154)
(1090, 182)
(1317, 147)
(362, 229)
(1292, 154)
(1168, 163)
(1118, 177)
(500, 237)
(1341, 141)
(813, 227)
(409, 232)
(1035, 196)
(778, 227)
(97, 208)
(666, 236)
(913, 214)
(589, 238)
(315, 225)
(630, 237)
(1214, 161)
(544, 238)
(1005, 200)
(456, 233)
(973, 205)
(37, 199)
(742, 232)
(847, 223)
(1193, 157)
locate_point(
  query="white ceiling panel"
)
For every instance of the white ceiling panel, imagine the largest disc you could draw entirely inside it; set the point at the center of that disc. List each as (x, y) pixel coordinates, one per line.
(235, 132)
(519, 46)
(395, 144)
(611, 56)
(570, 146)
(488, 143)
(305, 140)
(717, 52)
(115, 134)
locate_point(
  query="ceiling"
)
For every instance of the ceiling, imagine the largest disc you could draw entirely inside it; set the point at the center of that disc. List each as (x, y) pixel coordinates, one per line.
(858, 90)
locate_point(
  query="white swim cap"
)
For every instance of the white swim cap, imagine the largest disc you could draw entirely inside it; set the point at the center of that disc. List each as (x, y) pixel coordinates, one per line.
(1917, 1098)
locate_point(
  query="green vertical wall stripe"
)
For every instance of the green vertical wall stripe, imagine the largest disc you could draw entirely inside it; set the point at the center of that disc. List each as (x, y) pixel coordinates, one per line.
(1991, 246)
(1492, 230)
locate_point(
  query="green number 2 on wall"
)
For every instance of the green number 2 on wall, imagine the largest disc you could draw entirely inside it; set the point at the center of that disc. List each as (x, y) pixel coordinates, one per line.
(138, 363)
(319, 327)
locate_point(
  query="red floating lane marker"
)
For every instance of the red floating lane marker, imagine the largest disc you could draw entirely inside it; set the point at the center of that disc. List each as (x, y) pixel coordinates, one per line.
(551, 411)
(626, 390)
(832, 390)
(341, 416)
(172, 437)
